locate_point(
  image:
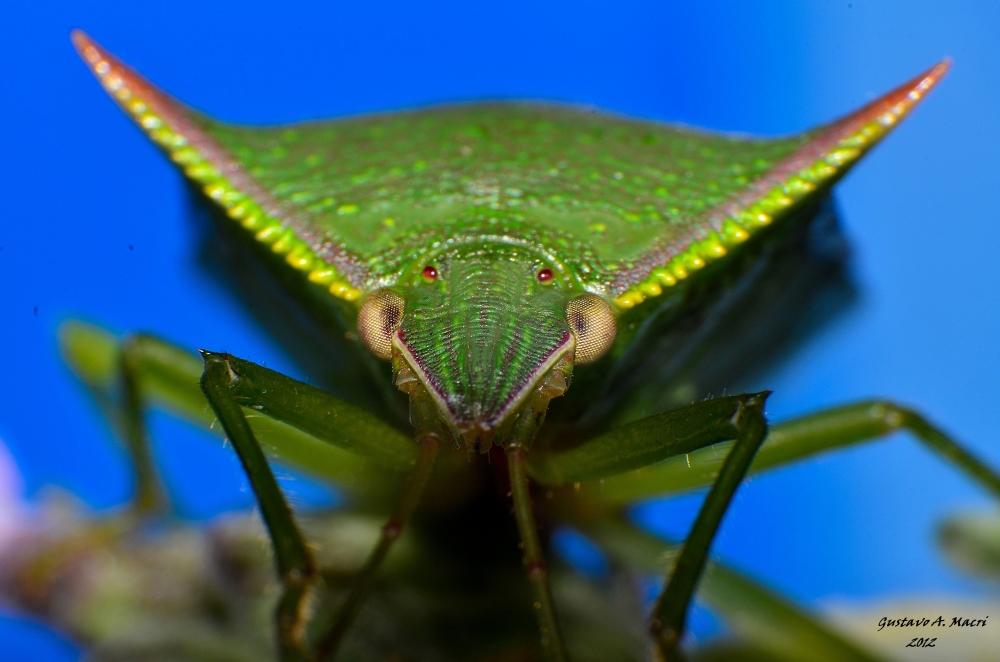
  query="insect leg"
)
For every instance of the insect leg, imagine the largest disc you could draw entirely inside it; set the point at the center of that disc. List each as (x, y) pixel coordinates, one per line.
(644, 442)
(122, 391)
(150, 497)
(869, 420)
(790, 441)
(391, 530)
(295, 564)
(670, 613)
(534, 558)
(294, 422)
(766, 621)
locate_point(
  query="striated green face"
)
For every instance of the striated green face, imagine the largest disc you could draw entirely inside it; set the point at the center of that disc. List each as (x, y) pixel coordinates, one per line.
(481, 328)
(437, 225)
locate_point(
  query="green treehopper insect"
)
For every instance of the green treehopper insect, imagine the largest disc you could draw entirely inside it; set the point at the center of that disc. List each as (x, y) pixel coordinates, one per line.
(492, 254)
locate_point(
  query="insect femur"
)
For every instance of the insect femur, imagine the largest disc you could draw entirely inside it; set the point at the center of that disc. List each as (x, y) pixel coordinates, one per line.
(593, 326)
(378, 319)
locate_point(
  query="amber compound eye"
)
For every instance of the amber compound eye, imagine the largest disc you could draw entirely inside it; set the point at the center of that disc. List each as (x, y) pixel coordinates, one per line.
(593, 326)
(378, 319)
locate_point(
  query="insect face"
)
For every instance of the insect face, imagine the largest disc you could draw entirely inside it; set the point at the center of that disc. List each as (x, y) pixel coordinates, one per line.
(485, 331)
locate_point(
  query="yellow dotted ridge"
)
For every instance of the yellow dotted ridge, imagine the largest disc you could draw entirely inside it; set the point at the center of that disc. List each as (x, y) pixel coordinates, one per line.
(738, 228)
(238, 206)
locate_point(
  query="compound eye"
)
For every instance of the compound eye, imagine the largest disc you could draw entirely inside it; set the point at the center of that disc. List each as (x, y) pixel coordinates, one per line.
(378, 319)
(593, 326)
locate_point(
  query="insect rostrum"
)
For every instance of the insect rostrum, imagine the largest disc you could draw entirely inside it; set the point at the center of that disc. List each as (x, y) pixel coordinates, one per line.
(487, 259)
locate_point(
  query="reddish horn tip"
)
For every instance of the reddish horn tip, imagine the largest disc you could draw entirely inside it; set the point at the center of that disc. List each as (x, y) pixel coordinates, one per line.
(101, 61)
(925, 81)
(908, 94)
(897, 103)
(940, 69)
(82, 41)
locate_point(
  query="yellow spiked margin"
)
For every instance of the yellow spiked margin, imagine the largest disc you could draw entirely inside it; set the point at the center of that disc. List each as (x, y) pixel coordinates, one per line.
(816, 164)
(168, 124)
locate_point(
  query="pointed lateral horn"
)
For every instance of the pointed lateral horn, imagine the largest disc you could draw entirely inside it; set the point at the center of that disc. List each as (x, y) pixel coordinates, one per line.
(173, 127)
(165, 120)
(841, 143)
(828, 153)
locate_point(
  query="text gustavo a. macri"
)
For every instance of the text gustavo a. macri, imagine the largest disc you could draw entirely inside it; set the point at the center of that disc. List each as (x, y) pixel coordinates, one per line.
(940, 621)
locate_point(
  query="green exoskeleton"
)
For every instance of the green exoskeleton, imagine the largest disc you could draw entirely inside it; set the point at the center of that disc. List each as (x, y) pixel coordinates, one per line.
(539, 280)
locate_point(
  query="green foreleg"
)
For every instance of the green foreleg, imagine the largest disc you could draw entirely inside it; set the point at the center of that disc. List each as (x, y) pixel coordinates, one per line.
(295, 564)
(642, 443)
(670, 613)
(321, 415)
(790, 441)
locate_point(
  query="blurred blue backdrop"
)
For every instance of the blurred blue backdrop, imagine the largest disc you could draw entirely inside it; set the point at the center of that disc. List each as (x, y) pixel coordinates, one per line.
(96, 225)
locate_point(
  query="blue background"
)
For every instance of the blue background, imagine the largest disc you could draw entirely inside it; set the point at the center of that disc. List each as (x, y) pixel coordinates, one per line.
(81, 185)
